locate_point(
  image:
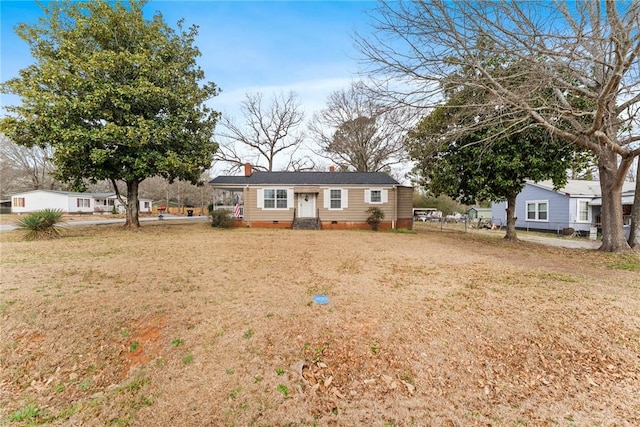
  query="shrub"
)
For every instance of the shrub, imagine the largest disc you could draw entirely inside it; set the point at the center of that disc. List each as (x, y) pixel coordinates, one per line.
(221, 218)
(375, 216)
(41, 225)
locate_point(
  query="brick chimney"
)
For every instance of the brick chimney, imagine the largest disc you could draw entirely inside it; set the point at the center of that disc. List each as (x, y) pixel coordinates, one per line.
(332, 169)
(247, 169)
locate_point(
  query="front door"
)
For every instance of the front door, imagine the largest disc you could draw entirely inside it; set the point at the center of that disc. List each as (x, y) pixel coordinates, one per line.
(306, 205)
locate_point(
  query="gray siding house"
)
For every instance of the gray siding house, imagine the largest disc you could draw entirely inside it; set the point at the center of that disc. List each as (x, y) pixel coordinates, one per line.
(577, 205)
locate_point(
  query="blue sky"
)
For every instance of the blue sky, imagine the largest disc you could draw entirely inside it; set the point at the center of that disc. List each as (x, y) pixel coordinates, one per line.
(247, 46)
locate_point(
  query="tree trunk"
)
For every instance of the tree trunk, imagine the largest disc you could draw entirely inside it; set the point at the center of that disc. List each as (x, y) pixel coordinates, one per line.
(634, 234)
(132, 205)
(611, 186)
(511, 218)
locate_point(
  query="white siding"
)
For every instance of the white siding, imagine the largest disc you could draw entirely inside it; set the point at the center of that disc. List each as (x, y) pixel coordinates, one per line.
(66, 201)
(38, 200)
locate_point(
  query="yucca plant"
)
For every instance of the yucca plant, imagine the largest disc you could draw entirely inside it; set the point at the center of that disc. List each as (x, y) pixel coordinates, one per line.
(41, 225)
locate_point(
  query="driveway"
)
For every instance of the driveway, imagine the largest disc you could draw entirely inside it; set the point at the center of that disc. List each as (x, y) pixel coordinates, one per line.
(562, 243)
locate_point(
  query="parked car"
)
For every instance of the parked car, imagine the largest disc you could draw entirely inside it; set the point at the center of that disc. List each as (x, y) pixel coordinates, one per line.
(422, 217)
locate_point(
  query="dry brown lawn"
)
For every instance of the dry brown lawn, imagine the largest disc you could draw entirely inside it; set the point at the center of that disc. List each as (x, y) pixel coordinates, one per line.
(185, 325)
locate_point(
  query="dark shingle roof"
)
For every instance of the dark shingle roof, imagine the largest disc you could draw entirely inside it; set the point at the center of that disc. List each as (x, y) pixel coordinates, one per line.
(307, 178)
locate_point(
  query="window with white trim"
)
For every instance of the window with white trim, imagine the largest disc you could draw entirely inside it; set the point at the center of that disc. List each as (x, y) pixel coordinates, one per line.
(275, 198)
(583, 211)
(336, 198)
(83, 203)
(376, 195)
(18, 202)
(538, 210)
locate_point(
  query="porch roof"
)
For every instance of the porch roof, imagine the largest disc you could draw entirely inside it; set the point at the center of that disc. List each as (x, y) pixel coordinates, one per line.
(627, 199)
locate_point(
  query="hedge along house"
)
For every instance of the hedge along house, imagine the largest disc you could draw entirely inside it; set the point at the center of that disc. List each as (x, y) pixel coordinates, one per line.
(328, 200)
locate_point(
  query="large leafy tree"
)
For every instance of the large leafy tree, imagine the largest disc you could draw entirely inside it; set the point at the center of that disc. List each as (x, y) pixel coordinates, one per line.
(492, 159)
(487, 164)
(576, 49)
(118, 97)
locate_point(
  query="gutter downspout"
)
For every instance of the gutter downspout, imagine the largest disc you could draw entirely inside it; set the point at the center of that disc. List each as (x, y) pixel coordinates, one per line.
(245, 195)
(395, 208)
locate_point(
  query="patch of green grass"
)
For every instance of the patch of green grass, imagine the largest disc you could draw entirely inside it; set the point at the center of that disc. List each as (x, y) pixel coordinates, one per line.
(187, 358)
(134, 346)
(66, 413)
(402, 231)
(257, 379)
(234, 393)
(120, 422)
(134, 393)
(134, 385)
(318, 352)
(59, 388)
(230, 371)
(177, 342)
(560, 277)
(30, 413)
(626, 262)
(248, 334)
(407, 377)
(85, 384)
(284, 390)
(280, 372)
(374, 347)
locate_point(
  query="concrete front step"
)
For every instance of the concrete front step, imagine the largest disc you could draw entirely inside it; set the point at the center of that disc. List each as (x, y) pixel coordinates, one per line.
(306, 224)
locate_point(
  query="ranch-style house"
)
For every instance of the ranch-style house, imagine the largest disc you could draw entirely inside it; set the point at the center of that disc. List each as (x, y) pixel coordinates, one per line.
(313, 200)
(71, 202)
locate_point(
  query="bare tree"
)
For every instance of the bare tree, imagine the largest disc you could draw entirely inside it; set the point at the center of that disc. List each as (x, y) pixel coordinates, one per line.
(358, 133)
(582, 55)
(268, 130)
(25, 168)
(178, 193)
(634, 231)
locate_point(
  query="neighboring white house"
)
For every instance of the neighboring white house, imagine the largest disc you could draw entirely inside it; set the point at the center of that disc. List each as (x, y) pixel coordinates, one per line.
(71, 202)
(577, 205)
